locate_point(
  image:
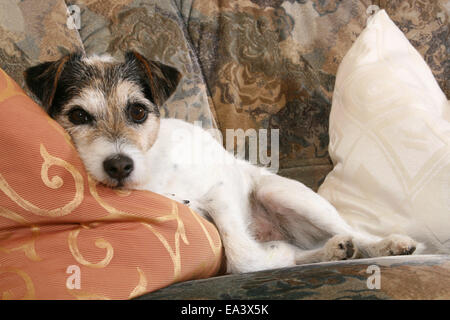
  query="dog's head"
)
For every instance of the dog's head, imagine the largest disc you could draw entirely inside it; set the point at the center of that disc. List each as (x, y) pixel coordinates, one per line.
(109, 108)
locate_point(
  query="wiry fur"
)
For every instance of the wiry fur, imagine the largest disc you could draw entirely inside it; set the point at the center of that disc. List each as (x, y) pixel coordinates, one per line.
(265, 221)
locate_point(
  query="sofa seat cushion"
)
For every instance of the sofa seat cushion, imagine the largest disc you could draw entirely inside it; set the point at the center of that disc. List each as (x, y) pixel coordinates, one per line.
(406, 277)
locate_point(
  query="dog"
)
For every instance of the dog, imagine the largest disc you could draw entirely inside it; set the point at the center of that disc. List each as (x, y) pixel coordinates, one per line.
(111, 111)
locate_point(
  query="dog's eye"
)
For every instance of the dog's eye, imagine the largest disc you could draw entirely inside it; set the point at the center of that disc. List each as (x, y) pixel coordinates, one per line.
(137, 113)
(79, 116)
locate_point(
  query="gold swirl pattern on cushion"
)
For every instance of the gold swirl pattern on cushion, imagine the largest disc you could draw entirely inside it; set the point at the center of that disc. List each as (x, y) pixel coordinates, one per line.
(83, 295)
(216, 248)
(29, 286)
(29, 246)
(55, 183)
(115, 213)
(180, 233)
(100, 243)
(124, 243)
(141, 286)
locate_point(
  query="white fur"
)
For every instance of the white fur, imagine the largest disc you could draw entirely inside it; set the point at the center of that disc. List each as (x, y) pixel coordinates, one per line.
(102, 58)
(96, 152)
(94, 100)
(265, 221)
(222, 190)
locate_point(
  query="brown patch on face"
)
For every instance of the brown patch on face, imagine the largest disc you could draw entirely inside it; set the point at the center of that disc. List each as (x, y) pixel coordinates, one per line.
(120, 126)
(121, 101)
(146, 137)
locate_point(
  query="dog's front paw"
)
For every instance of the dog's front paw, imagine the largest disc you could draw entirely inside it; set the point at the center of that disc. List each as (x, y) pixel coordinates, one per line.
(396, 245)
(340, 247)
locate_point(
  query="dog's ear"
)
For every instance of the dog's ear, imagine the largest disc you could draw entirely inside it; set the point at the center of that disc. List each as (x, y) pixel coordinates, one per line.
(42, 80)
(161, 80)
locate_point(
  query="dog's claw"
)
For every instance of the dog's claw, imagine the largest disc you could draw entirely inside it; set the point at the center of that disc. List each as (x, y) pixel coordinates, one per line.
(397, 245)
(339, 248)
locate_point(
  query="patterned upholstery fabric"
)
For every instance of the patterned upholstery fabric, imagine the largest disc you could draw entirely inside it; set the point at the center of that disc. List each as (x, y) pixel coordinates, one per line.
(413, 277)
(33, 31)
(156, 30)
(247, 64)
(272, 64)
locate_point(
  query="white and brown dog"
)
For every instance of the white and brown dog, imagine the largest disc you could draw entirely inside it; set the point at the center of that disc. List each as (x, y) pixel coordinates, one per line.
(110, 109)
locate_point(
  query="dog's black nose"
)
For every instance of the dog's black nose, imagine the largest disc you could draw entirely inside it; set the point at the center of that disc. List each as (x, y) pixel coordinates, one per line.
(118, 167)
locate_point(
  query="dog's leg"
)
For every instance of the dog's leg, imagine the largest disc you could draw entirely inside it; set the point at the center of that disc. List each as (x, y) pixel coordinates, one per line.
(309, 220)
(392, 245)
(339, 247)
(229, 210)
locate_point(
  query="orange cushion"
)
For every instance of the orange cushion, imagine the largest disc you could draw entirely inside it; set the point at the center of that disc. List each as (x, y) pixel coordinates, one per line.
(63, 236)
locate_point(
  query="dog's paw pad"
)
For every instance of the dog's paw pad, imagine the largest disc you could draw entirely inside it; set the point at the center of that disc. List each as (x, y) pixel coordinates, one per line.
(339, 248)
(397, 245)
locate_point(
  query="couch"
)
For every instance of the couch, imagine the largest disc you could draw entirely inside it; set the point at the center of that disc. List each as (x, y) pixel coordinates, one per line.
(254, 64)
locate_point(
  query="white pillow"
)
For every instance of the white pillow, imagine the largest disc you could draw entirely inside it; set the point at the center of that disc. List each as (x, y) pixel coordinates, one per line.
(390, 140)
